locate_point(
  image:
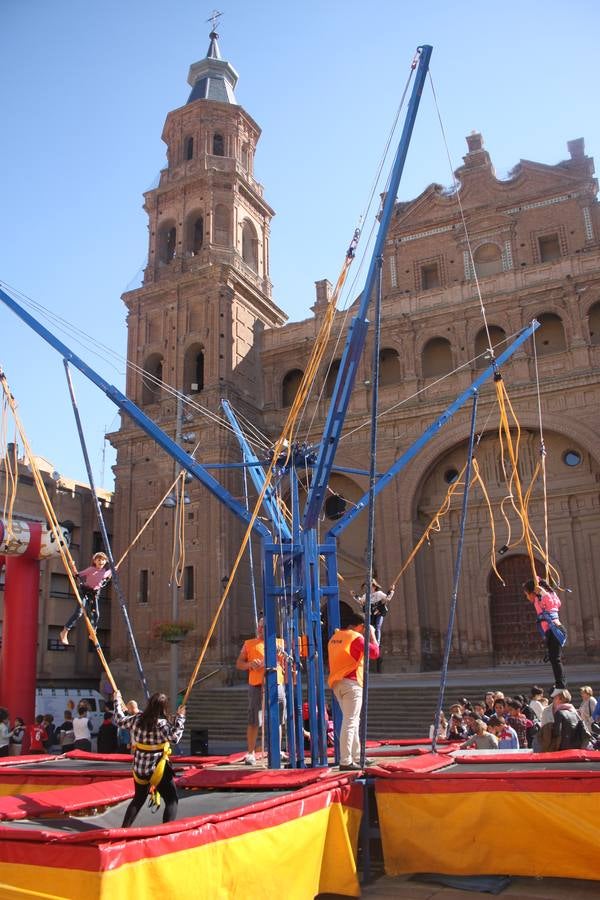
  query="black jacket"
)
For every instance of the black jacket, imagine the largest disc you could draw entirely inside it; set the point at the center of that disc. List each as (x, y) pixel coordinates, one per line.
(564, 728)
(107, 738)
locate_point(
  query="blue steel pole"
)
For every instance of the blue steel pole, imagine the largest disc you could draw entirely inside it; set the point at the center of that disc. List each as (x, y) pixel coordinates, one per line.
(431, 431)
(333, 621)
(311, 680)
(319, 662)
(140, 418)
(270, 640)
(457, 569)
(357, 331)
(257, 475)
(371, 525)
(251, 559)
(107, 545)
(296, 571)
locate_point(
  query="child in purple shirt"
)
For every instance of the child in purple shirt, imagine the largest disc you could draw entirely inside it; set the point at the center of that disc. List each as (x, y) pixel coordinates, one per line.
(91, 582)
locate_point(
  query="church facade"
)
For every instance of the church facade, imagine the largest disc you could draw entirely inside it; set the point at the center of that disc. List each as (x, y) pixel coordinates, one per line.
(204, 322)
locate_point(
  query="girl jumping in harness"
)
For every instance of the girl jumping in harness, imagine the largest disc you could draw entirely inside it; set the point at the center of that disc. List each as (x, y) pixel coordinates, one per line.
(380, 602)
(547, 605)
(152, 733)
(91, 582)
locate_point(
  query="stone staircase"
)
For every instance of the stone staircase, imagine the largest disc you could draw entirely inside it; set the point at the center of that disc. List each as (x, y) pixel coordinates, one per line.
(400, 705)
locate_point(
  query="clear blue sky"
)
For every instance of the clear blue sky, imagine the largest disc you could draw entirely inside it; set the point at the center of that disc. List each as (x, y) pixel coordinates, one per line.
(85, 88)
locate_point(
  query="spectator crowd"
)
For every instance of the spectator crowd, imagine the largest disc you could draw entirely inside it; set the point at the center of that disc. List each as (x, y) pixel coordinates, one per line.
(542, 724)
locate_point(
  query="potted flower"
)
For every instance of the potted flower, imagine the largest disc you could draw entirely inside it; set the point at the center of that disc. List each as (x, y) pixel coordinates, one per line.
(173, 632)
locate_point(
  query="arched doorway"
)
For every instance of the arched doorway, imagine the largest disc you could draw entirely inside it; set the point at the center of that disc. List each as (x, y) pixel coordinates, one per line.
(515, 636)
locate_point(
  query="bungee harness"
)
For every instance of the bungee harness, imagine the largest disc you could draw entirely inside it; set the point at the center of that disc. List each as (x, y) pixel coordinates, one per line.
(156, 777)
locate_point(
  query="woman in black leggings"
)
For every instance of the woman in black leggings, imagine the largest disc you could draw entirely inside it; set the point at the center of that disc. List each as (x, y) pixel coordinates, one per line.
(152, 732)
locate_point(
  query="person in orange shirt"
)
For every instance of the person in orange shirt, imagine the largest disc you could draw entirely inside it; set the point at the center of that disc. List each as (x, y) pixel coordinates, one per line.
(252, 660)
(346, 651)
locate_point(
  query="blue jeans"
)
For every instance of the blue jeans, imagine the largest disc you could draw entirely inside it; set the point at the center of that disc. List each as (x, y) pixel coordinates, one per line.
(89, 600)
(377, 625)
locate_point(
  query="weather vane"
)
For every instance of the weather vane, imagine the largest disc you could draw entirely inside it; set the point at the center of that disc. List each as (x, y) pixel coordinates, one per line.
(214, 19)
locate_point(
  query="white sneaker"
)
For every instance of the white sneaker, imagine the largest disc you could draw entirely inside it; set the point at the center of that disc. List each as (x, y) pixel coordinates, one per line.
(250, 759)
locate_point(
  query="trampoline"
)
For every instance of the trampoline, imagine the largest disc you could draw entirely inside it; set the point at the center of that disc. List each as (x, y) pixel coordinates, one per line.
(221, 845)
(484, 808)
(192, 804)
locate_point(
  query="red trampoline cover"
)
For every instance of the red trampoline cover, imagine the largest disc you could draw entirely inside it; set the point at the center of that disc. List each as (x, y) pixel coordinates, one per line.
(498, 756)
(272, 779)
(65, 800)
(428, 762)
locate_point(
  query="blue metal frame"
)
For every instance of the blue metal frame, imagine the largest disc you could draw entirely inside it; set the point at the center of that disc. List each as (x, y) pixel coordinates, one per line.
(258, 476)
(290, 569)
(431, 431)
(140, 418)
(358, 328)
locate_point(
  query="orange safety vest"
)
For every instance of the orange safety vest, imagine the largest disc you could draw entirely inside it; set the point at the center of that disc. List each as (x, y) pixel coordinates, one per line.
(255, 649)
(341, 662)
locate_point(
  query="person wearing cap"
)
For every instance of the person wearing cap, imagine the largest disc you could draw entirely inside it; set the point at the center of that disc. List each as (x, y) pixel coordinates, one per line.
(346, 652)
(547, 605)
(91, 582)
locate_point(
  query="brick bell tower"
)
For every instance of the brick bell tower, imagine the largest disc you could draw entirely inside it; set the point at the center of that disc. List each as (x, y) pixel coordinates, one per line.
(195, 325)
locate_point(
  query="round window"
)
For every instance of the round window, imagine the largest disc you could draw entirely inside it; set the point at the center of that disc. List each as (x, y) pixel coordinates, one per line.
(335, 507)
(571, 457)
(450, 476)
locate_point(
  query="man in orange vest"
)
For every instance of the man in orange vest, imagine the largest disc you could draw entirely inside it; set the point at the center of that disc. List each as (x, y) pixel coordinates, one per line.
(252, 660)
(346, 650)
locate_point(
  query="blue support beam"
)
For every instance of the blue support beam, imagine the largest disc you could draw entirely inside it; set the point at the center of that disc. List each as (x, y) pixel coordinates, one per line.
(258, 476)
(358, 329)
(431, 431)
(141, 419)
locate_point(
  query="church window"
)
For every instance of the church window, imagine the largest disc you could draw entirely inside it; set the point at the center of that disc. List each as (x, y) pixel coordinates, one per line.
(290, 385)
(250, 245)
(218, 145)
(549, 247)
(389, 367)
(188, 583)
(488, 260)
(436, 358)
(571, 458)
(143, 591)
(167, 242)
(430, 276)
(188, 148)
(152, 379)
(331, 378)
(221, 226)
(497, 335)
(196, 236)
(594, 321)
(335, 507)
(550, 337)
(193, 369)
